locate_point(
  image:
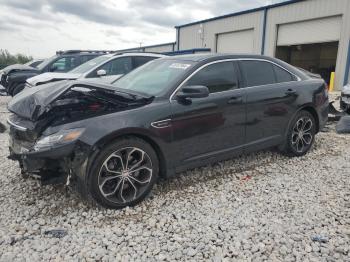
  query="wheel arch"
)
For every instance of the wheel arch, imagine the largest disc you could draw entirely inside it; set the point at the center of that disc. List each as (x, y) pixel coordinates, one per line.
(134, 133)
(309, 108)
(313, 112)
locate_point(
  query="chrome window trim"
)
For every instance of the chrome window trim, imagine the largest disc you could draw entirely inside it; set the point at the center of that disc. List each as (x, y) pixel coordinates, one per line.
(231, 60)
(21, 128)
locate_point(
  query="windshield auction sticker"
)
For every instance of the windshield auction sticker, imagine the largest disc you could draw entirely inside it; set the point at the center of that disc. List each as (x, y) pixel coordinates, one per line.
(180, 66)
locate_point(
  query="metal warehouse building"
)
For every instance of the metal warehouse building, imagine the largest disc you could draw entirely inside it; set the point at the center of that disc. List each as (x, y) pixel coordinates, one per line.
(312, 34)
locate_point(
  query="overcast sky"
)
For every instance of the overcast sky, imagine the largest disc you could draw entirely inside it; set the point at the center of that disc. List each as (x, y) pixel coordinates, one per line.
(40, 27)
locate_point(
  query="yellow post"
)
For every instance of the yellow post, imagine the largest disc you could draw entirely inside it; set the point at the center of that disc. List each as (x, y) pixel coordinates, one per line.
(331, 82)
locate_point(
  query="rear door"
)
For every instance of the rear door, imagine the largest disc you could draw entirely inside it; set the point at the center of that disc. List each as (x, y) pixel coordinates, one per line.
(271, 97)
(212, 126)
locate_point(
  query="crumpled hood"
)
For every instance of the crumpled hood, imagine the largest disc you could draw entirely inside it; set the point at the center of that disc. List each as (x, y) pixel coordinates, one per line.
(18, 67)
(31, 103)
(51, 77)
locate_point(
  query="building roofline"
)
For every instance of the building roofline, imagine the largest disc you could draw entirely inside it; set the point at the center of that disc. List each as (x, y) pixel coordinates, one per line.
(241, 13)
(148, 46)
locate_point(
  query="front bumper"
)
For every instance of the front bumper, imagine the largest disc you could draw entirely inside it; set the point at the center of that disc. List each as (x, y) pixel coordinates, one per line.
(35, 161)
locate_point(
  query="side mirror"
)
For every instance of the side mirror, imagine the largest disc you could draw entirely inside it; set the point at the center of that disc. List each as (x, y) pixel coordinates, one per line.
(193, 92)
(101, 72)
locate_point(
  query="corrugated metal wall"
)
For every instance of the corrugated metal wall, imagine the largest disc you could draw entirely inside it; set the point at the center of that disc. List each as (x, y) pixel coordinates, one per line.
(205, 34)
(309, 10)
(168, 47)
(311, 31)
(197, 36)
(160, 48)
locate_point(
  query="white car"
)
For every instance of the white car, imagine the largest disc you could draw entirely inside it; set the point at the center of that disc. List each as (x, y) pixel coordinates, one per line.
(105, 68)
(345, 98)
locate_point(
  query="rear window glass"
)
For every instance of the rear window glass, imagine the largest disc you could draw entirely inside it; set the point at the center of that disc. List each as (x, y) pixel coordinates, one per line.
(282, 75)
(258, 73)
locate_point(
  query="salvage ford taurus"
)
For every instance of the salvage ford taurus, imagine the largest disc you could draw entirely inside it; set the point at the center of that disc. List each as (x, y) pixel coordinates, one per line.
(114, 141)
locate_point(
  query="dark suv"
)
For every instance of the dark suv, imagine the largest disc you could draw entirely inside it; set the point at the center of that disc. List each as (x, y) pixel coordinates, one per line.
(13, 77)
(114, 141)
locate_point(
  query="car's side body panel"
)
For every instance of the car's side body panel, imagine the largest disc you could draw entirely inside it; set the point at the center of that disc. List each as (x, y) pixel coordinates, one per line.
(207, 129)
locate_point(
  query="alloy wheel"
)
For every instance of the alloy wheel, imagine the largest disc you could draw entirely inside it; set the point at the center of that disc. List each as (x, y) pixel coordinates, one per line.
(302, 134)
(125, 175)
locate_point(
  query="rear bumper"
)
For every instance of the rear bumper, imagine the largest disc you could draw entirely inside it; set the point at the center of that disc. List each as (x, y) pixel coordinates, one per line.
(323, 115)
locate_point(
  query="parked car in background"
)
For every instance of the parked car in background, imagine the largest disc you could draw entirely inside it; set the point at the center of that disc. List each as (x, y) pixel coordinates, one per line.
(114, 141)
(345, 98)
(13, 77)
(35, 62)
(105, 68)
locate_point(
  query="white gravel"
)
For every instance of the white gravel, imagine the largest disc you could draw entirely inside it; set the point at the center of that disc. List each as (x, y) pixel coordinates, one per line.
(259, 207)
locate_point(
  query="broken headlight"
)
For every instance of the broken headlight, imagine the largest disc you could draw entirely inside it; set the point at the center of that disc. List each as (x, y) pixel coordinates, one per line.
(62, 137)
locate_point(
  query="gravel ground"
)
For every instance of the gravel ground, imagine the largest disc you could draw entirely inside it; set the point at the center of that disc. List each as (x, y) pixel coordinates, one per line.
(263, 206)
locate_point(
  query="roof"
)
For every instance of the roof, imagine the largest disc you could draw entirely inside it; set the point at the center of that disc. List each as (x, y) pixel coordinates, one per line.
(241, 13)
(153, 54)
(203, 57)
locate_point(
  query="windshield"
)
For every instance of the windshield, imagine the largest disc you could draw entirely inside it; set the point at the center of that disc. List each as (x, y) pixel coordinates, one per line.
(46, 62)
(86, 67)
(154, 77)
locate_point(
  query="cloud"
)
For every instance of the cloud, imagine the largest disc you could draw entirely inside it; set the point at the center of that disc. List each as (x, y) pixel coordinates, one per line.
(29, 5)
(92, 10)
(40, 27)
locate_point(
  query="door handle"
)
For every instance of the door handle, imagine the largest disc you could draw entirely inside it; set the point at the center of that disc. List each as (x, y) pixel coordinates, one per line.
(235, 100)
(290, 92)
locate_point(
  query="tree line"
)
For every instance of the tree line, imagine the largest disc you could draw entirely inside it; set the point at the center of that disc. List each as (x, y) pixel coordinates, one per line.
(7, 59)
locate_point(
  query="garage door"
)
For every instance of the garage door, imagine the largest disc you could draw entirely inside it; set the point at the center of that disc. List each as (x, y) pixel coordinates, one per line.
(236, 42)
(307, 32)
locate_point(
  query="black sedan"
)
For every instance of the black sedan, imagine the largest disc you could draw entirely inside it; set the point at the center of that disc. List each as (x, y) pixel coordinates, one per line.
(114, 141)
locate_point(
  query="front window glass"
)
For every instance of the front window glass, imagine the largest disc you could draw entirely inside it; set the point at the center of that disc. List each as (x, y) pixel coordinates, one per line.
(86, 67)
(119, 66)
(154, 77)
(46, 62)
(64, 64)
(217, 77)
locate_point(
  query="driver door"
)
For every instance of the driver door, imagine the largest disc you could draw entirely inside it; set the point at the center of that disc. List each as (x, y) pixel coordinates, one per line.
(210, 127)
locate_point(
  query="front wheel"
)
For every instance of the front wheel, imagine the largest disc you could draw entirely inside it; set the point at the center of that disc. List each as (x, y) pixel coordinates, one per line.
(301, 134)
(124, 173)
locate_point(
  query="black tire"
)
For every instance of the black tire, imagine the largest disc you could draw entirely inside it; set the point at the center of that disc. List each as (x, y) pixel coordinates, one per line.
(17, 89)
(299, 143)
(131, 186)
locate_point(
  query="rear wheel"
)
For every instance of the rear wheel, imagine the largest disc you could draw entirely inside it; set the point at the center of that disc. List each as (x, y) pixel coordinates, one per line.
(123, 174)
(301, 134)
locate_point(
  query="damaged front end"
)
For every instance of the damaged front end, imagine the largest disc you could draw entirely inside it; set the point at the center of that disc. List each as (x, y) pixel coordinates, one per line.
(46, 157)
(46, 127)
